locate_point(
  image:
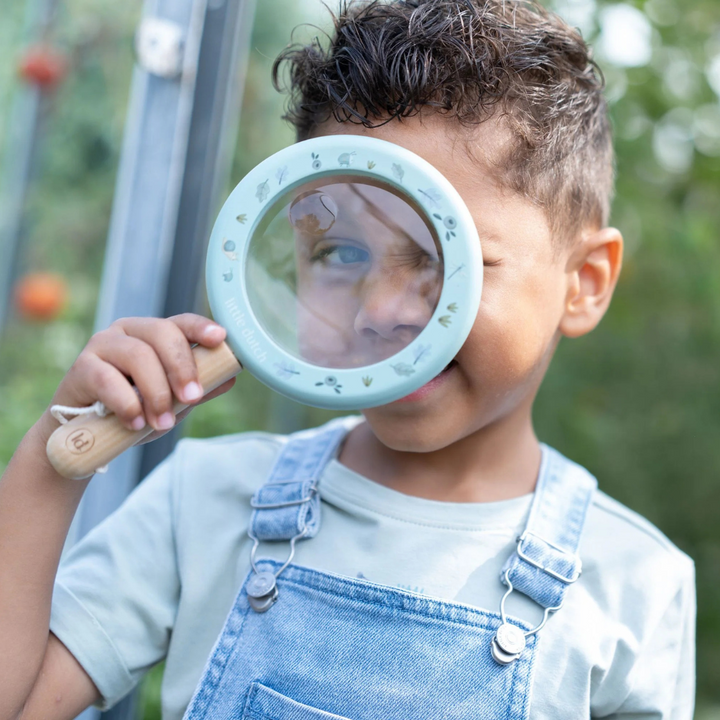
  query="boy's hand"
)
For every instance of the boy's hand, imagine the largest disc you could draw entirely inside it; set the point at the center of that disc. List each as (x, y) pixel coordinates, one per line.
(155, 356)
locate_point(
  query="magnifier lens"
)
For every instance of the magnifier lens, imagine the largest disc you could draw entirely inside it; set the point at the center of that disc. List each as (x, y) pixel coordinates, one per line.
(344, 271)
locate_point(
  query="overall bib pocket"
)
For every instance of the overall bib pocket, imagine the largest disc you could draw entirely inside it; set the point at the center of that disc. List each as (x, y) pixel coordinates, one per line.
(266, 704)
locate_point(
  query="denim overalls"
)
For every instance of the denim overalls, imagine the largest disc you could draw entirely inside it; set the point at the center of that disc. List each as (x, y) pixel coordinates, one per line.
(301, 644)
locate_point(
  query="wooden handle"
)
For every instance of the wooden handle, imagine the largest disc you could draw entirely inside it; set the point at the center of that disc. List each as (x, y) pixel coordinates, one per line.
(78, 448)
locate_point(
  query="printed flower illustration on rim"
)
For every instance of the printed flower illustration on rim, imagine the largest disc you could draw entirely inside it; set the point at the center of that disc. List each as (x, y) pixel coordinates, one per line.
(449, 222)
(330, 381)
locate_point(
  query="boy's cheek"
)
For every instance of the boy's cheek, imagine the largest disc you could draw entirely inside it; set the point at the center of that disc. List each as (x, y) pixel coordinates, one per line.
(510, 338)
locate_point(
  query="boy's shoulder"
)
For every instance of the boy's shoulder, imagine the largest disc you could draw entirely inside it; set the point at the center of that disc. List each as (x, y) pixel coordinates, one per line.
(246, 457)
(615, 516)
(615, 532)
(229, 443)
(228, 458)
(630, 562)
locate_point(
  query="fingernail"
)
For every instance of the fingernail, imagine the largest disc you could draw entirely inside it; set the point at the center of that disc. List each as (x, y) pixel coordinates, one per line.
(165, 421)
(213, 330)
(192, 391)
(138, 423)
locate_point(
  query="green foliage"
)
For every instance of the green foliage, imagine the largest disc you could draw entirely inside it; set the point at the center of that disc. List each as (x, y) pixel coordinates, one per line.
(637, 401)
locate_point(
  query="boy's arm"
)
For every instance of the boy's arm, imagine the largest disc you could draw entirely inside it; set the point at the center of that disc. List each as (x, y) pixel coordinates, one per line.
(37, 504)
(63, 689)
(36, 508)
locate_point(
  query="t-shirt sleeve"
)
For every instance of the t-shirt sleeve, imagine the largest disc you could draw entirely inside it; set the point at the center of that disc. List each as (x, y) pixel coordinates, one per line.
(117, 590)
(662, 678)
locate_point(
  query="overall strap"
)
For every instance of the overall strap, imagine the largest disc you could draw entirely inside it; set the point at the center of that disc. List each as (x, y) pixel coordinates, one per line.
(546, 561)
(288, 504)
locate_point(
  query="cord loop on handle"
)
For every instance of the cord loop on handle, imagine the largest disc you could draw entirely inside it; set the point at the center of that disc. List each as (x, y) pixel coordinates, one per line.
(60, 411)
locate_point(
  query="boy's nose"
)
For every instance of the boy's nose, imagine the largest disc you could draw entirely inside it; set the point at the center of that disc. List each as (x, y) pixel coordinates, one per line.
(392, 309)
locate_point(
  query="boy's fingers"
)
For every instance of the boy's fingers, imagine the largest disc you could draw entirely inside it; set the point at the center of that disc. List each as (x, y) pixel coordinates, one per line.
(184, 413)
(199, 329)
(139, 361)
(112, 388)
(170, 338)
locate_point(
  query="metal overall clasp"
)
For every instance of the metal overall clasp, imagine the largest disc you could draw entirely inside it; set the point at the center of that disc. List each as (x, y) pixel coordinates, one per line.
(510, 640)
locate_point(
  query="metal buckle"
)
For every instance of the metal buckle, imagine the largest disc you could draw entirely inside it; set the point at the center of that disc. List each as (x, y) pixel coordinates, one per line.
(502, 607)
(293, 540)
(501, 653)
(266, 593)
(289, 503)
(535, 563)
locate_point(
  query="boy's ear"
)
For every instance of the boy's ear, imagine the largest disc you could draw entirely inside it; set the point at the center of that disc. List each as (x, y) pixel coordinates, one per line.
(592, 273)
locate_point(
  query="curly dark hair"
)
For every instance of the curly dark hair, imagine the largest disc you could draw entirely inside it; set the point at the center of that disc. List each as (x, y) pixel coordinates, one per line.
(470, 60)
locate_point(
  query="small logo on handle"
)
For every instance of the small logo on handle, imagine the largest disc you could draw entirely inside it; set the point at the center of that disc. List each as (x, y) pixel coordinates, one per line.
(80, 441)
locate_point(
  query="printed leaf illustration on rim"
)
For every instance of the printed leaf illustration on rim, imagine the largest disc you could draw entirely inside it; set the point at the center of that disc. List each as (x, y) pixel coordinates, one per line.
(403, 369)
(432, 195)
(263, 190)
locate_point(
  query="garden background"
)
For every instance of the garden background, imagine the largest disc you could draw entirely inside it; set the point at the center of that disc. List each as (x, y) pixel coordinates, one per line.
(637, 401)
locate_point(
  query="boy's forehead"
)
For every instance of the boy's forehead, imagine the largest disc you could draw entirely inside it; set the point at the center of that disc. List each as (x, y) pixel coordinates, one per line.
(452, 148)
(470, 157)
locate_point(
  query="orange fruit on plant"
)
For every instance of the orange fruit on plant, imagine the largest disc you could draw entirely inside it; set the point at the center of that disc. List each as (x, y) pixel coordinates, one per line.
(43, 66)
(41, 296)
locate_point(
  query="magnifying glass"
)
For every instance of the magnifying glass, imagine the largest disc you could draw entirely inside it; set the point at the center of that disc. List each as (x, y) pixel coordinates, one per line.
(347, 272)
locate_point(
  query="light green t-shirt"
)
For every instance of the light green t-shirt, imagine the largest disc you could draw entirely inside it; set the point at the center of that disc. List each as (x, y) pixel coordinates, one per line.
(157, 579)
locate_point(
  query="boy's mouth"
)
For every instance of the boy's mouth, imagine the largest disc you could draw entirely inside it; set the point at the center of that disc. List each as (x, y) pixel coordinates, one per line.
(430, 386)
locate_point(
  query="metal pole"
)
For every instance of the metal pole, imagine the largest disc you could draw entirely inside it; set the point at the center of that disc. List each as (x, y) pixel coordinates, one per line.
(145, 209)
(143, 222)
(218, 94)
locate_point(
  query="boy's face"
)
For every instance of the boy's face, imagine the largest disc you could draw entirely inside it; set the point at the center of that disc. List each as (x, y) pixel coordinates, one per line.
(497, 372)
(368, 271)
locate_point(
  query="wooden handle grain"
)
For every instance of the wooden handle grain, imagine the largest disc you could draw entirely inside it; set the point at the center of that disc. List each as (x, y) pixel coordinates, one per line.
(77, 449)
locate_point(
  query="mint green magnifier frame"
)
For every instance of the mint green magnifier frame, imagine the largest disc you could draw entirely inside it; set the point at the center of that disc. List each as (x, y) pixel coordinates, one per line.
(371, 385)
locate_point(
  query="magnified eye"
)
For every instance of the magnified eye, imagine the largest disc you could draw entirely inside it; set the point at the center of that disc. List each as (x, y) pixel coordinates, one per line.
(339, 255)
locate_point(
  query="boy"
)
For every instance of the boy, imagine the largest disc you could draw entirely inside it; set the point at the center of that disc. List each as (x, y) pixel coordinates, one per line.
(393, 609)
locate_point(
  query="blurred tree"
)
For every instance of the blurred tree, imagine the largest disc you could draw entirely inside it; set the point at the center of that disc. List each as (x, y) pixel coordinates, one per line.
(638, 400)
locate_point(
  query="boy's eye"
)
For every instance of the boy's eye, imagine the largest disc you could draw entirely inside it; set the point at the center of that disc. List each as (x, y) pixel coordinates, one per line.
(341, 255)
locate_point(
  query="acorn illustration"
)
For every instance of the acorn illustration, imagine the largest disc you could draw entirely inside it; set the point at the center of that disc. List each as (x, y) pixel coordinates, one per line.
(229, 250)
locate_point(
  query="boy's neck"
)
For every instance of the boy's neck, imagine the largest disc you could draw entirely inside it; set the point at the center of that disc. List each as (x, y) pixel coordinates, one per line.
(497, 462)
